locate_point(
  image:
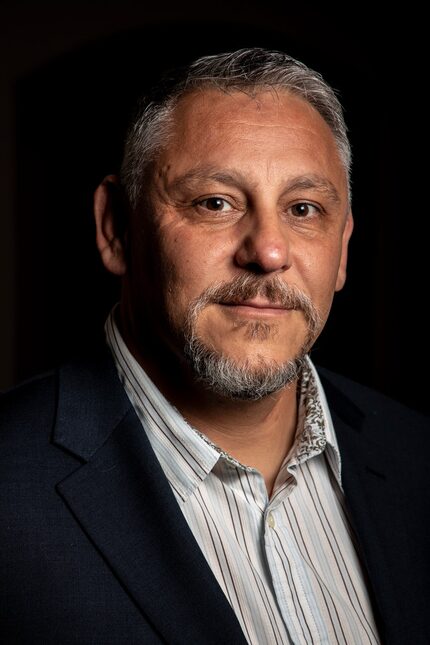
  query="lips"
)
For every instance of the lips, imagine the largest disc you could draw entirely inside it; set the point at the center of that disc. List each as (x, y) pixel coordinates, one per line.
(256, 303)
(258, 307)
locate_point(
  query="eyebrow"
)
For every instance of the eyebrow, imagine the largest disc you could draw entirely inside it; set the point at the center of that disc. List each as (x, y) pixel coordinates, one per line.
(315, 182)
(310, 181)
(211, 173)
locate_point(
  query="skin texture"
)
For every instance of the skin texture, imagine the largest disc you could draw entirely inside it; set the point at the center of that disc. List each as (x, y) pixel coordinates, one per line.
(245, 185)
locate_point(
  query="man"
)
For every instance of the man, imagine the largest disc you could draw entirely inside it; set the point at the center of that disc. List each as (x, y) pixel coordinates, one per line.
(202, 482)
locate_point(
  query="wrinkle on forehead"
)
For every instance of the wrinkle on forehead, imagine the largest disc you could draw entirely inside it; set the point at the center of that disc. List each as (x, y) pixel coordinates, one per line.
(203, 118)
(259, 124)
(217, 128)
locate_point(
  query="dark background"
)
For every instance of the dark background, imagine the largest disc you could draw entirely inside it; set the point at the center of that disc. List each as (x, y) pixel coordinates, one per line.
(70, 76)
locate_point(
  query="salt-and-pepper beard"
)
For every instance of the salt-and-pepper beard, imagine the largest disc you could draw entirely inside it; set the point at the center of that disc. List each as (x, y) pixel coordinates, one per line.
(239, 380)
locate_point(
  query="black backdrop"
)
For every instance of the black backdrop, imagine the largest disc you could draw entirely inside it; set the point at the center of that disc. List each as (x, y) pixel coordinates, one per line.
(71, 115)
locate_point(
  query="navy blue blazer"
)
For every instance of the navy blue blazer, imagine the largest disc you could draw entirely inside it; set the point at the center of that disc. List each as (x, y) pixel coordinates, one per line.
(95, 550)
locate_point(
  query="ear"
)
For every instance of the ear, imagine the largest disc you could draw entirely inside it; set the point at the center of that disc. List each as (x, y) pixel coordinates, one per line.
(347, 231)
(108, 216)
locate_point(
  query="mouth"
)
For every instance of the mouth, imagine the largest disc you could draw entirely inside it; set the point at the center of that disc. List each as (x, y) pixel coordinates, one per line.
(256, 307)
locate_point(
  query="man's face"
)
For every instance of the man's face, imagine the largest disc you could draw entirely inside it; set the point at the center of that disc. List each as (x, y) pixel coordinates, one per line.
(248, 191)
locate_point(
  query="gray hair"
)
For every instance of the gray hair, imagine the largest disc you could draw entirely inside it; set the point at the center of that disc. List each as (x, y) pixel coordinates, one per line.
(243, 70)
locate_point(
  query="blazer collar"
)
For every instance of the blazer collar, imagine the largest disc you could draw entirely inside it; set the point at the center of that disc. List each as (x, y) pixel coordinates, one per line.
(91, 403)
(122, 500)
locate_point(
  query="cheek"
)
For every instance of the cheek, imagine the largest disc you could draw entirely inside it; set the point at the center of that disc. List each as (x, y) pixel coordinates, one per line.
(317, 269)
(192, 265)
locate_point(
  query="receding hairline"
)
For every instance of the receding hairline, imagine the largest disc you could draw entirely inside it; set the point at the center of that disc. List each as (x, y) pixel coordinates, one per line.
(249, 71)
(252, 91)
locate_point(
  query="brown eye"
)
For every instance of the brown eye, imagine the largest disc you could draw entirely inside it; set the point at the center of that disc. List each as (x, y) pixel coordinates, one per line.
(215, 204)
(303, 209)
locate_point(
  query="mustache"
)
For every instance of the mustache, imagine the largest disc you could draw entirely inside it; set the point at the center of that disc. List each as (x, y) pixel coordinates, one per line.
(274, 289)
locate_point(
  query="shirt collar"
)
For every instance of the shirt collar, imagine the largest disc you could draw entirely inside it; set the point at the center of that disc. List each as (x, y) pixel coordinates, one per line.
(315, 430)
(328, 425)
(186, 455)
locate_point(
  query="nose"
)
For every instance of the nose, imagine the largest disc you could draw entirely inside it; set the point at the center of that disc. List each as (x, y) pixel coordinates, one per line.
(264, 246)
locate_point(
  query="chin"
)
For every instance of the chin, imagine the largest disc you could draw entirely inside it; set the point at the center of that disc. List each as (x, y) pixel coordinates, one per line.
(251, 379)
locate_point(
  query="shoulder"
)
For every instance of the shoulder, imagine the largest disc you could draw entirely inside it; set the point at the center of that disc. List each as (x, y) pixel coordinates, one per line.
(81, 398)
(366, 398)
(36, 399)
(29, 404)
(376, 413)
(363, 395)
(27, 458)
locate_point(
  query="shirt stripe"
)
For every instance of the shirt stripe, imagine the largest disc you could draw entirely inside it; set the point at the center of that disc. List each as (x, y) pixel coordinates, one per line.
(287, 565)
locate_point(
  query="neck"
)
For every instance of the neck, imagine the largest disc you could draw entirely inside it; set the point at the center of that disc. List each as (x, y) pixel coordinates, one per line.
(258, 433)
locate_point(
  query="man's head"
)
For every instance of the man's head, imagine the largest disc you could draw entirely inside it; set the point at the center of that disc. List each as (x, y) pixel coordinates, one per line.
(236, 177)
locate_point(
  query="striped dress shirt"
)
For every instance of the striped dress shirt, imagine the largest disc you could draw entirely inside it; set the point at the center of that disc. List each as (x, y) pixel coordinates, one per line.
(288, 565)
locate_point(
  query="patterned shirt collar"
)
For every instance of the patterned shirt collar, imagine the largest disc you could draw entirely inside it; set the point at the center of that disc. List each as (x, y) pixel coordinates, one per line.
(185, 454)
(315, 430)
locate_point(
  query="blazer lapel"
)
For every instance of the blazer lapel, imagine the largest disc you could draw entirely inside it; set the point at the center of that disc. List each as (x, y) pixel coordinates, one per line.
(123, 502)
(370, 478)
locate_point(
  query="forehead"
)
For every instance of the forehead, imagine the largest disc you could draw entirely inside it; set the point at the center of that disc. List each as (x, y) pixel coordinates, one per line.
(273, 104)
(274, 127)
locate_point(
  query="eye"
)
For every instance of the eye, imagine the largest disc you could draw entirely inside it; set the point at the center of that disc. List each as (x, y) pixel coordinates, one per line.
(304, 209)
(215, 204)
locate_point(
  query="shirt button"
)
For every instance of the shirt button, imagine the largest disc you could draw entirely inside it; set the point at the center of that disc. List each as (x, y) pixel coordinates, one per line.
(271, 521)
